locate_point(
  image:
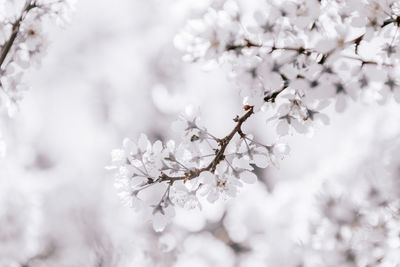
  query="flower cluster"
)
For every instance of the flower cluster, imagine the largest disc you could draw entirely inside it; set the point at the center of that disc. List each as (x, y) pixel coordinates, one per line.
(200, 166)
(23, 42)
(359, 218)
(299, 56)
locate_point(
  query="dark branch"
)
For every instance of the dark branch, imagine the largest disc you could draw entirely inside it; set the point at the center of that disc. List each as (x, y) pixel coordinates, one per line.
(219, 154)
(15, 30)
(247, 44)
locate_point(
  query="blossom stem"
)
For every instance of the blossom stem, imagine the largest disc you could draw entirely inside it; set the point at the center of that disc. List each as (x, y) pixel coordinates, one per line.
(367, 62)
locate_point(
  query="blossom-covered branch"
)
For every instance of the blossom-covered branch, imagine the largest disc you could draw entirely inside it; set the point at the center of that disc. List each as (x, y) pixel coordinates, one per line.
(15, 30)
(297, 47)
(22, 43)
(185, 172)
(295, 59)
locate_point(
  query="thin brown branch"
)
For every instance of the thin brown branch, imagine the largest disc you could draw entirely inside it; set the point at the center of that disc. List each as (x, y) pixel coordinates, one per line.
(219, 153)
(367, 62)
(239, 47)
(271, 98)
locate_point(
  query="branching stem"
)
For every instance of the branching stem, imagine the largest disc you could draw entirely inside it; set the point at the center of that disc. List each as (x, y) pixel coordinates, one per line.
(219, 153)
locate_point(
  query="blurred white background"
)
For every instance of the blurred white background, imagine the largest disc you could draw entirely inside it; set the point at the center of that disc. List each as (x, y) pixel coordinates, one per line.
(114, 73)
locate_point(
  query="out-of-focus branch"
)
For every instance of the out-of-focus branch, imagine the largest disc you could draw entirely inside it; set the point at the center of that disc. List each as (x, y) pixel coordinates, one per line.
(15, 30)
(46, 254)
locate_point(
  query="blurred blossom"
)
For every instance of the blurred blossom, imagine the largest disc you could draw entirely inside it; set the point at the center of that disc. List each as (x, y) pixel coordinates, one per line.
(20, 217)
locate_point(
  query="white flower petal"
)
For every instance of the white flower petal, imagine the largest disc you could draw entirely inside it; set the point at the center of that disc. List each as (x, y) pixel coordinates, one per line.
(248, 177)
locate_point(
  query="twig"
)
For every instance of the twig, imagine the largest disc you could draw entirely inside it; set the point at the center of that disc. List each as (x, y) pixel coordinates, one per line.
(219, 154)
